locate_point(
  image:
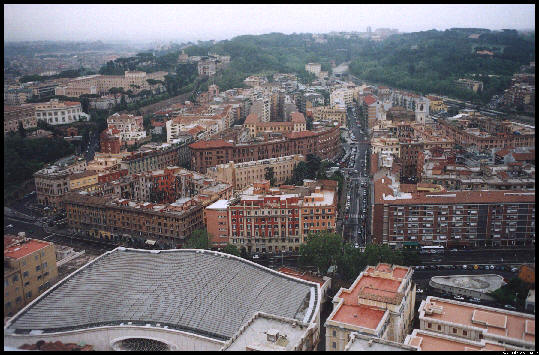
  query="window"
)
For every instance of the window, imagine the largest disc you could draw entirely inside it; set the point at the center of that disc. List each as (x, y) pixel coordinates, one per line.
(6, 283)
(334, 345)
(429, 325)
(29, 294)
(334, 333)
(25, 274)
(454, 330)
(26, 283)
(439, 327)
(38, 267)
(464, 332)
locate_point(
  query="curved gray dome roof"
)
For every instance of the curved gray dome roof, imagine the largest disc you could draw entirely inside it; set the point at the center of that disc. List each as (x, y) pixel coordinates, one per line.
(203, 292)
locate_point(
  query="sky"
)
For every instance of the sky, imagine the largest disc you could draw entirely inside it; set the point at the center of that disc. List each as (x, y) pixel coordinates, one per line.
(139, 22)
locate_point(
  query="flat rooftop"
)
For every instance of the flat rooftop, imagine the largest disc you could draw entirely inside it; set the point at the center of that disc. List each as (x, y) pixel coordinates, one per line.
(494, 321)
(202, 292)
(359, 315)
(359, 342)
(429, 341)
(255, 334)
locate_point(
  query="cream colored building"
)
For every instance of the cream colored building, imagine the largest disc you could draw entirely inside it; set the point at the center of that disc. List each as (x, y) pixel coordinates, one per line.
(380, 145)
(477, 322)
(329, 113)
(83, 180)
(241, 175)
(342, 96)
(101, 84)
(106, 161)
(380, 303)
(314, 68)
(57, 112)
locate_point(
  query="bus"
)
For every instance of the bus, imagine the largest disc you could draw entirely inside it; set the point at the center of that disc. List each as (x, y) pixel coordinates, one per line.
(432, 249)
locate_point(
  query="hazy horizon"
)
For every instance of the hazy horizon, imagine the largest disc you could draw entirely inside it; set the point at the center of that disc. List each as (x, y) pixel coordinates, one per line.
(184, 23)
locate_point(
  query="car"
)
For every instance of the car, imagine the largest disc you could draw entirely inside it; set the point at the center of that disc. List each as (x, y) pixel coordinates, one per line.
(508, 306)
(419, 290)
(475, 299)
(256, 256)
(9, 226)
(491, 267)
(514, 269)
(454, 249)
(459, 298)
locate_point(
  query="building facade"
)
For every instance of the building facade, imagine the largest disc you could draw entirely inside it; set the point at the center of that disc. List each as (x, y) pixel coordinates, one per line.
(325, 143)
(451, 218)
(13, 115)
(241, 175)
(29, 270)
(57, 112)
(380, 303)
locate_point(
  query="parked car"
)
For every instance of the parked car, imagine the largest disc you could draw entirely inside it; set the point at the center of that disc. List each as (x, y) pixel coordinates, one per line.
(508, 306)
(464, 267)
(459, 298)
(475, 300)
(514, 269)
(419, 290)
(256, 256)
(491, 267)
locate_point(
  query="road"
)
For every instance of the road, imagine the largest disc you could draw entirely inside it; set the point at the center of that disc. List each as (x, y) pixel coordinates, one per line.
(357, 181)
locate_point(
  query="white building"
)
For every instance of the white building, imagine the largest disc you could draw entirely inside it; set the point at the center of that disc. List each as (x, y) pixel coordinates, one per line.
(341, 96)
(130, 127)
(314, 68)
(57, 112)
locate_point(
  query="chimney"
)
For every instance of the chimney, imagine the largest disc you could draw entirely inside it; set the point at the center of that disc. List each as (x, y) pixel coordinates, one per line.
(370, 342)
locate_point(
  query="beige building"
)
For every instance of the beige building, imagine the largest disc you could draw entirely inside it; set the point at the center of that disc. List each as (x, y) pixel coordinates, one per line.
(129, 128)
(314, 68)
(29, 269)
(329, 113)
(15, 114)
(241, 175)
(255, 125)
(85, 180)
(341, 97)
(391, 145)
(476, 323)
(380, 303)
(57, 112)
(106, 161)
(53, 182)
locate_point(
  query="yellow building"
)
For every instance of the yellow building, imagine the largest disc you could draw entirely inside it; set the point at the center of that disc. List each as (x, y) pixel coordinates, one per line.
(241, 175)
(436, 104)
(29, 269)
(84, 179)
(328, 113)
(256, 126)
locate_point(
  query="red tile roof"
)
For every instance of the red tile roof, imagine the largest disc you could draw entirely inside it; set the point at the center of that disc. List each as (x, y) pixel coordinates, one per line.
(369, 100)
(214, 143)
(297, 117)
(24, 249)
(302, 134)
(251, 119)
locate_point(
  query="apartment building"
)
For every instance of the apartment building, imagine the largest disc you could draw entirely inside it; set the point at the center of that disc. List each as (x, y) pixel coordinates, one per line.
(379, 303)
(424, 340)
(128, 128)
(29, 270)
(273, 220)
(342, 97)
(85, 180)
(436, 103)
(485, 133)
(472, 322)
(52, 182)
(13, 115)
(372, 110)
(103, 162)
(57, 112)
(330, 114)
(255, 80)
(325, 143)
(216, 222)
(433, 216)
(256, 126)
(469, 84)
(314, 68)
(122, 219)
(110, 141)
(156, 157)
(241, 175)
(261, 108)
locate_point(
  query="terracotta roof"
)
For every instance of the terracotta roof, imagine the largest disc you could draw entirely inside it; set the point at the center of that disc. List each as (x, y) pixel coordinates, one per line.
(503, 152)
(369, 100)
(195, 130)
(524, 156)
(24, 249)
(214, 143)
(251, 119)
(301, 275)
(359, 315)
(297, 117)
(302, 134)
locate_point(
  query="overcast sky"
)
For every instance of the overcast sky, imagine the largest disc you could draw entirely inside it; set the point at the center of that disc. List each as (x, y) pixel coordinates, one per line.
(26, 22)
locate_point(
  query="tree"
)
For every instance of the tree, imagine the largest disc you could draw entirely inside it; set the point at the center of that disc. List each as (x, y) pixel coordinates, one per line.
(243, 253)
(321, 250)
(270, 175)
(199, 239)
(22, 131)
(231, 249)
